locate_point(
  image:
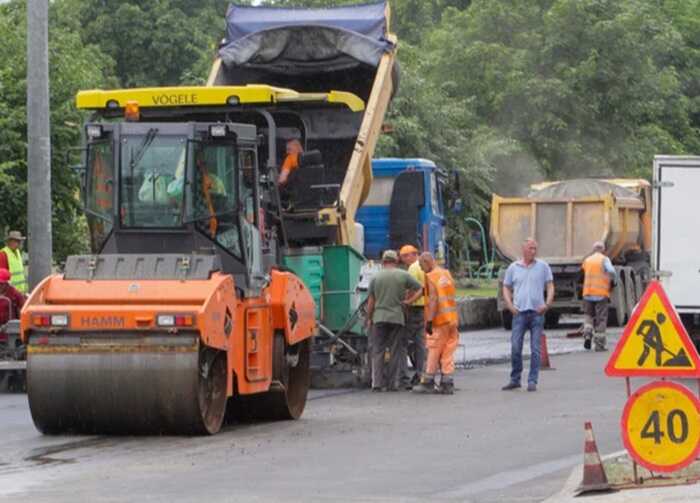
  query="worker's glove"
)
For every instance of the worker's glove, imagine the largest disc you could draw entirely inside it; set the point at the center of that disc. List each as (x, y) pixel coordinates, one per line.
(429, 327)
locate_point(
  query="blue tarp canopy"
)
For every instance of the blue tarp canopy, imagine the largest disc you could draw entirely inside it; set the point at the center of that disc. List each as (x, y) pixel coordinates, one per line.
(305, 40)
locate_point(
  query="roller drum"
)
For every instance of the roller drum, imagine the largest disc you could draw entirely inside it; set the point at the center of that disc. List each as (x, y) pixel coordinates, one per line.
(113, 385)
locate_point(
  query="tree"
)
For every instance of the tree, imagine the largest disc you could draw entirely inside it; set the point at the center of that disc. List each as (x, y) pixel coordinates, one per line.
(155, 43)
(582, 86)
(72, 66)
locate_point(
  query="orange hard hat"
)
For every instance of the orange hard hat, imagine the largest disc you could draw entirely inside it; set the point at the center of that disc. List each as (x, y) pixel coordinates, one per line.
(4, 275)
(406, 249)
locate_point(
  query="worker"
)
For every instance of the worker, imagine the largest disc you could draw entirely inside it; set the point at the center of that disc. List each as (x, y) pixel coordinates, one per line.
(12, 260)
(523, 292)
(413, 343)
(441, 327)
(291, 161)
(389, 291)
(599, 276)
(11, 300)
(164, 185)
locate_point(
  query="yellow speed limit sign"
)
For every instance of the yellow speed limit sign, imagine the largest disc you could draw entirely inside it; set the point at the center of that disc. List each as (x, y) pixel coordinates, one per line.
(661, 426)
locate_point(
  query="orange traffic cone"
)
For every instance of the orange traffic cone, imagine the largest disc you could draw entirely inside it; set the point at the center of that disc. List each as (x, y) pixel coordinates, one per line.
(594, 478)
(544, 354)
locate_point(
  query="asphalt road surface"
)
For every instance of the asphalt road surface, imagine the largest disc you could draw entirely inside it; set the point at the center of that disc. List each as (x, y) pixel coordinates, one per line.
(481, 445)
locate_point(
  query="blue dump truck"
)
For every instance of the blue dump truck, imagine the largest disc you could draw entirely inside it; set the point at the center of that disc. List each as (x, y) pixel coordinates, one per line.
(404, 206)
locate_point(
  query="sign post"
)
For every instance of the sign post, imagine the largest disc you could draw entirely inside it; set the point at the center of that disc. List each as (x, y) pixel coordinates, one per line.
(660, 423)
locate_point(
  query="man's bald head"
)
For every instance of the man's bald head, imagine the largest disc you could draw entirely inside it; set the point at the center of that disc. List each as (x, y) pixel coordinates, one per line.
(426, 261)
(599, 246)
(529, 249)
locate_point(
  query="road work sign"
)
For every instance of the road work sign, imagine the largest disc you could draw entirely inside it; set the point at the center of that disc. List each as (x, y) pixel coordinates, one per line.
(661, 426)
(654, 342)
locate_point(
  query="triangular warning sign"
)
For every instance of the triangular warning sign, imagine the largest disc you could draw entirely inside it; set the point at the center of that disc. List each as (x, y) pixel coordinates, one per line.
(654, 342)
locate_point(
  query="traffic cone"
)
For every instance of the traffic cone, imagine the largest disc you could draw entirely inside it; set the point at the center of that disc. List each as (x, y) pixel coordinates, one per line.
(594, 478)
(544, 354)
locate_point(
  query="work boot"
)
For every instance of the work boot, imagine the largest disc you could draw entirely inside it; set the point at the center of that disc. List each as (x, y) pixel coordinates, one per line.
(424, 387)
(600, 343)
(587, 343)
(447, 386)
(510, 386)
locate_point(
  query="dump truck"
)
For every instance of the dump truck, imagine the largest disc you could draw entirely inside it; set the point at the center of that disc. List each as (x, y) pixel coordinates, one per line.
(404, 206)
(184, 314)
(566, 218)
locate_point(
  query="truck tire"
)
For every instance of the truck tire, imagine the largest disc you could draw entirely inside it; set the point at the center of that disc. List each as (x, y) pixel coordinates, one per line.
(630, 291)
(618, 305)
(507, 319)
(551, 320)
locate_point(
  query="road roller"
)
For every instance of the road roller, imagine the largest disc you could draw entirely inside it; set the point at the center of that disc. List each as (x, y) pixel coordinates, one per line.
(180, 317)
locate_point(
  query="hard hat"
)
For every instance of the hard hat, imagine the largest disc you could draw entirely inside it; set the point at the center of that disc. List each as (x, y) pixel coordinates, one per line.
(4, 275)
(390, 256)
(406, 249)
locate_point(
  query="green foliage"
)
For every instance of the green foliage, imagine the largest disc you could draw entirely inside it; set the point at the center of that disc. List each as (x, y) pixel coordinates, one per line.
(73, 65)
(154, 43)
(583, 86)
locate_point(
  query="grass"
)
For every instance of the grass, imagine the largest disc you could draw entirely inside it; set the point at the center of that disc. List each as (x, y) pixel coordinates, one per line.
(477, 288)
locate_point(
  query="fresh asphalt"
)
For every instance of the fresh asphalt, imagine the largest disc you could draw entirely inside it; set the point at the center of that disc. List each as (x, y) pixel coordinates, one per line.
(480, 445)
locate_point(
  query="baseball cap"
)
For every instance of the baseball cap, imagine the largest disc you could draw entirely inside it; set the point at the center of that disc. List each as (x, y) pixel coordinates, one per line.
(390, 256)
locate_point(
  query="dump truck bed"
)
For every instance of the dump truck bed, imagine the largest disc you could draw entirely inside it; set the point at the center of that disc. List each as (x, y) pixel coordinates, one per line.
(566, 218)
(348, 49)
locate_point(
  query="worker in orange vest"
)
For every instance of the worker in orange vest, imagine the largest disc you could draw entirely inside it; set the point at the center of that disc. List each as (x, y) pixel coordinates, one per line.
(599, 277)
(291, 162)
(441, 327)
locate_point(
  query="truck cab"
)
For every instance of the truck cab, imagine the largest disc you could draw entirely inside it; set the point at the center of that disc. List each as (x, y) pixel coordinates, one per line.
(404, 206)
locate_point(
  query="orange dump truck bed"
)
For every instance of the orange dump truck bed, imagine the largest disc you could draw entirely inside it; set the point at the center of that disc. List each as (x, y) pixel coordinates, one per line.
(567, 217)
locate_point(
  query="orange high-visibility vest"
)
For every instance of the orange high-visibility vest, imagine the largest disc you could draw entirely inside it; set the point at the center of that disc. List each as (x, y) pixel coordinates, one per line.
(596, 281)
(446, 312)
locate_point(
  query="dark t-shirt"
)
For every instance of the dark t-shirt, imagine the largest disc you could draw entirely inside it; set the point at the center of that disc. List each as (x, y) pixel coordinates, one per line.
(389, 288)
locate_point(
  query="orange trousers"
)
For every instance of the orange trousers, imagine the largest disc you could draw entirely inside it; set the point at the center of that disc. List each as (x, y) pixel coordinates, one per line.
(442, 344)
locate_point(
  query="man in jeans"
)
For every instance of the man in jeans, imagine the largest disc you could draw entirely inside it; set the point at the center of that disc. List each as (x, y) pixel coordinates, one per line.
(523, 291)
(389, 292)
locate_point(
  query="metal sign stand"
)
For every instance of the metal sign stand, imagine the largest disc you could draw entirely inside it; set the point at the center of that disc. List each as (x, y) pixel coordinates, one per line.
(634, 462)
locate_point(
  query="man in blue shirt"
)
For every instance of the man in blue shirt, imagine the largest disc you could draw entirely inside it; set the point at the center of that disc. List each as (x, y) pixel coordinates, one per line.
(523, 291)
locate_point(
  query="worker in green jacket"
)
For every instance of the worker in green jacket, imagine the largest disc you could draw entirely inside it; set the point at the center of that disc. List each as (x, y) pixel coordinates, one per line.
(11, 259)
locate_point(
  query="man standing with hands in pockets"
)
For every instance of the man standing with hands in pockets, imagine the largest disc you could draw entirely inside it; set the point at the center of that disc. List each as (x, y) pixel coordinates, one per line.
(523, 291)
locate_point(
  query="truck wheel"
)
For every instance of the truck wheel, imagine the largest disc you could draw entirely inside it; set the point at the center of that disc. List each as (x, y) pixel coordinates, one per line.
(688, 321)
(507, 319)
(630, 291)
(618, 305)
(551, 320)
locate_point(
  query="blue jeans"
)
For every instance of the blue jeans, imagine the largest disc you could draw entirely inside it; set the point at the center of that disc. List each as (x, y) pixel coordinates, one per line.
(522, 322)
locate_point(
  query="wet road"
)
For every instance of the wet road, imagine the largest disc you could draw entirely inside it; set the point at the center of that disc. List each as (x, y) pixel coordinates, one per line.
(480, 444)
